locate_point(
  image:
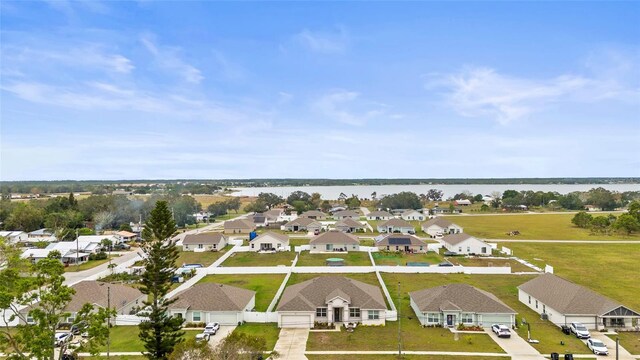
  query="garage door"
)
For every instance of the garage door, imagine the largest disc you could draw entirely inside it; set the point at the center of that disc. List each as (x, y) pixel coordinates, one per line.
(489, 319)
(295, 321)
(224, 318)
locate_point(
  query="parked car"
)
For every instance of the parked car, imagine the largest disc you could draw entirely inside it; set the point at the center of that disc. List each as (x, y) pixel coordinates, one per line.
(211, 328)
(445, 264)
(501, 330)
(598, 347)
(203, 337)
(579, 330)
(62, 337)
(450, 253)
(78, 328)
(122, 246)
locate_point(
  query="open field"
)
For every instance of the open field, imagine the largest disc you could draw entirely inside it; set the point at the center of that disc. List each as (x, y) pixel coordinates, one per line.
(205, 258)
(260, 259)
(354, 258)
(630, 340)
(207, 199)
(269, 331)
(503, 286)
(465, 261)
(392, 258)
(605, 268)
(531, 226)
(265, 286)
(125, 338)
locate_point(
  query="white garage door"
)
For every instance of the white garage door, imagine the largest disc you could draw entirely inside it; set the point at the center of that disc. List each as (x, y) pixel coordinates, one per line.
(295, 321)
(224, 318)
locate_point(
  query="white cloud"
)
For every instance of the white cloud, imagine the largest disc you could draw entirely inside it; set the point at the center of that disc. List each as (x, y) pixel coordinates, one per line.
(347, 107)
(169, 58)
(328, 42)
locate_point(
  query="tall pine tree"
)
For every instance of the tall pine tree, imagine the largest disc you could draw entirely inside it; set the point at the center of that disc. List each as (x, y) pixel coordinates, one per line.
(161, 332)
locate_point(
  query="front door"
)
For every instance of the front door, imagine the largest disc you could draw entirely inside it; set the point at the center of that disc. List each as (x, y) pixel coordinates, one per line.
(407, 248)
(265, 247)
(337, 314)
(449, 320)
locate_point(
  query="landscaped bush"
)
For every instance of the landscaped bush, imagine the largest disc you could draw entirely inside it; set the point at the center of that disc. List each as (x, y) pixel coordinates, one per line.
(322, 325)
(463, 327)
(99, 256)
(195, 324)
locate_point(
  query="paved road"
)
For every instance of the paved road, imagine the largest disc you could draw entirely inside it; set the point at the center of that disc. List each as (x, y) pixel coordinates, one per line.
(567, 241)
(292, 343)
(75, 277)
(516, 346)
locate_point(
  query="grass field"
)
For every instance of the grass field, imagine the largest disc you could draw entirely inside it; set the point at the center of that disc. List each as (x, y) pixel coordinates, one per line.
(205, 258)
(265, 285)
(628, 340)
(605, 268)
(503, 286)
(465, 261)
(393, 258)
(404, 357)
(355, 258)
(258, 259)
(369, 278)
(125, 338)
(269, 331)
(298, 241)
(531, 226)
(88, 265)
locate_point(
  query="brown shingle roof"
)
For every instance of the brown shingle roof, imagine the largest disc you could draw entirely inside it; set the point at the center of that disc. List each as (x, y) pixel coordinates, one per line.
(349, 222)
(396, 223)
(308, 295)
(459, 296)
(567, 297)
(314, 213)
(439, 221)
(94, 292)
(454, 239)
(213, 297)
(208, 238)
(335, 237)
(302, 221)
(239, 224)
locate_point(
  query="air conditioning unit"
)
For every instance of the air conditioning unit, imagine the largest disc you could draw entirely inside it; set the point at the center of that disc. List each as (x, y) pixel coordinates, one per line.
(544, 316)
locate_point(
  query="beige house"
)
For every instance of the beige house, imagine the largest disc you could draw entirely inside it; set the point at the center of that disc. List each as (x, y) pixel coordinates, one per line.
(331, 241)
(314, 214)
(302, 224)
(206, 241)
(412, 215)
(453, 304)
(346, 214)
(396, 226)
(270, 241)
(331, 299)
(349, 225)
(563, 302)
(379, 215)
(211, 302)
(439, 226)
(239, 226)
(465, 244)
(402, 242)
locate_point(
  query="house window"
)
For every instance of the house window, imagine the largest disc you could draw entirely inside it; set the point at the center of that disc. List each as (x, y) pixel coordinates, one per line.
(215, 246)
(544, 308)
(529, 299)
(468, 248)
(459, 249)
(196, 316)
(484, 250)
(433, 317)
(279, 245)
(374, 314)
(71, 319)
(253, 246)
(321, 312)
(420, 248)
(467, 318)
(354, 312)
(329, 247)
(536, 304)
(354, 247)
(30, 320)
(397, 248)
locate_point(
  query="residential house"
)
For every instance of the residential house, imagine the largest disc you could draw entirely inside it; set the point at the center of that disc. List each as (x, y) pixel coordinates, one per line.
(563, 302)
(67, 257)
(462, 202)
(592, 208)
(202, 216)
(126, 236)
(336, 207)
(379, 215)
(445, 210)
(314, 214)
(334, 241)
(439, 226)
(122, 192)
(453, 304)
(259, 220)
(212, 302)
(465, 244)
(396, 226)
(239, 226)
(96, 239)
(275, 215)
(331, 299)
(401, 242)
(270, 241)
(349, 225)
(41, 235)
(121, 298)
(302, 224)
(412, 215)
(204, 241)
(346, 214)
(15, 237)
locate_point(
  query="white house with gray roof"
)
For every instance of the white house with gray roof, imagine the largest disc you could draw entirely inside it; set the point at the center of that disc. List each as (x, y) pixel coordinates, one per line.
(270, 241)
(564, 302)
(412, 215)
(396, 226)
(332, 241)
(453, 304)
(349, 225)
(302, 224)
(465, 244)
(439, 226)
(346, 214)
(331, 299)
(379, 215)
(205, 241)
(211, 302)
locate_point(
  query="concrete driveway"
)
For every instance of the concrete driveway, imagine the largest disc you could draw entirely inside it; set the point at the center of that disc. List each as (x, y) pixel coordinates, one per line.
(292, 344)
(221, 334)
(623, 354)
(517, 347)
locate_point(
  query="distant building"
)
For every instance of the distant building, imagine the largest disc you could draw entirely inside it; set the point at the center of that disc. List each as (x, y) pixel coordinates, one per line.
(465, 244)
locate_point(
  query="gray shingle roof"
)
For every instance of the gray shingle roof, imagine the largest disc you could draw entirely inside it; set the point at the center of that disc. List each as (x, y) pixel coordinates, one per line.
(208, 238)
(239, 224)
(213, 297)
(349, 222)
(439, 221)
(396, 223)
(464, 297)
(379, 214)
(567, 297)
(335, 237)
(454, 239)
(311, 294)
(282, 237)
(398, 239)
(94, 292)
(343, 213)
(302, 221)
(313, 213)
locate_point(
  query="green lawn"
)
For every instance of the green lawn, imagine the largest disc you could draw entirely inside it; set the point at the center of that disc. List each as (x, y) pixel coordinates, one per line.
(393, 258)
(205, 258)
(260, 259)
(369, 278)
(605, 268)
(88, 265)
(269, 331)
(354, 258)
(125, 338)
(630, 340)
(298, 241)
(265, 285)
(531, 226)
(480, 262)
(404, 357)
(503, 286)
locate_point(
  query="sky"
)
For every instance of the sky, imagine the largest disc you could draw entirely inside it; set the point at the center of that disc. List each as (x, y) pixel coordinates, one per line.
(218, 90)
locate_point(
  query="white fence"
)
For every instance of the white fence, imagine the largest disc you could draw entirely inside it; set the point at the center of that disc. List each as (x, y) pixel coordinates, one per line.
(128, 320)
(260, 317)
(456, 269)
(283, 269)
(506, 250)
(302, 248)
(548, 269)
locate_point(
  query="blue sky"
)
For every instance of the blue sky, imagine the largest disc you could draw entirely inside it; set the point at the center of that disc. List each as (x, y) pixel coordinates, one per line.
(148, 90)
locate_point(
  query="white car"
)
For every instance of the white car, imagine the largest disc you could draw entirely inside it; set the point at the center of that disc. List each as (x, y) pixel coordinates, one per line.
(501, 330)
(211, 328)
(203, 337)
(598, 347)
(62, 337)
(580, 330)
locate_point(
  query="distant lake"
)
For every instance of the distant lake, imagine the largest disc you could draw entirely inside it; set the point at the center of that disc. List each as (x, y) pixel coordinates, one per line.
(365, 191)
